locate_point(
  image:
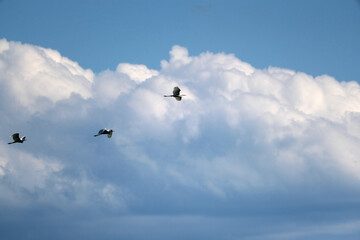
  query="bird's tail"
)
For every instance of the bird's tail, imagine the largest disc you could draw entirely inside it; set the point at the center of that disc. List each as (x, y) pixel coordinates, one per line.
(96, 135)
(11, 142)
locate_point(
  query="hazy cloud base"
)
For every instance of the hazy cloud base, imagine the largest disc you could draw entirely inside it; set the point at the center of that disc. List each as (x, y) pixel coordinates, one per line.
(248, 154)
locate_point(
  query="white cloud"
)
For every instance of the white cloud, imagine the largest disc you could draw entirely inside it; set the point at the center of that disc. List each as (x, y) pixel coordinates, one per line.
(179, 56)
(269, 108)
(238, 130)
(137, 73)
(23, 172)
(108, 86)
(148, 104)
(36, 78)
(27, 179)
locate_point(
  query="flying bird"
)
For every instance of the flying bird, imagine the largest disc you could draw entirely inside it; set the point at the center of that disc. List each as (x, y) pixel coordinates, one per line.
(108, 132)
(176, 94)
(17, 139)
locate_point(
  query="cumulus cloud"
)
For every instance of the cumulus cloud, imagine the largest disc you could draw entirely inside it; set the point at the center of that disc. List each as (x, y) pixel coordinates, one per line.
(138, 73)
(110, 85)
(239, 133)
(28, 180)
(293, 122)
(36, 78)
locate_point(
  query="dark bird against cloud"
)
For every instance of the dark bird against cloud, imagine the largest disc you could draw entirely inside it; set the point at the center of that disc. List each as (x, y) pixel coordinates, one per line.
(105, 131)
(17, 139)
(176, 94)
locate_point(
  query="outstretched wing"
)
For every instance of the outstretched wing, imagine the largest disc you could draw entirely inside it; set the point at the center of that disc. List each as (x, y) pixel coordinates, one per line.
(176, 91)
(178, 98)
(101, 131)
(16, 137)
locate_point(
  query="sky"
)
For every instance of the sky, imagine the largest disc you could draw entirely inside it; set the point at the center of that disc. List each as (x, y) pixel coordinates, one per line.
(265, 144)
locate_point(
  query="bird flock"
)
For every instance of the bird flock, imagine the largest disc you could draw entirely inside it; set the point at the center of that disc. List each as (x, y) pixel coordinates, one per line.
(176, 94)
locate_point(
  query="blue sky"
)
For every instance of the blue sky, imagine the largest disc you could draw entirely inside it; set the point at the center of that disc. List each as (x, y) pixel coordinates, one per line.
(316, 37)
(265, 144)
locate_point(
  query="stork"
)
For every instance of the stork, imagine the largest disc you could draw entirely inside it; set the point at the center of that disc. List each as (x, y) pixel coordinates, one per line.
(176, 94)
(108, 132)
(17, 138)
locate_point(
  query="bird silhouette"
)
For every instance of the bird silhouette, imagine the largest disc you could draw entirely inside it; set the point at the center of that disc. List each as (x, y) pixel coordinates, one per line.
(108, 132)
(176, 94)
(17, 139)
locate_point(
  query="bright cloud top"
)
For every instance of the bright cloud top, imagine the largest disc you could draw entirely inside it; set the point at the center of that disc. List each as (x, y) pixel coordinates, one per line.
(36, 77)
(238, 129)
